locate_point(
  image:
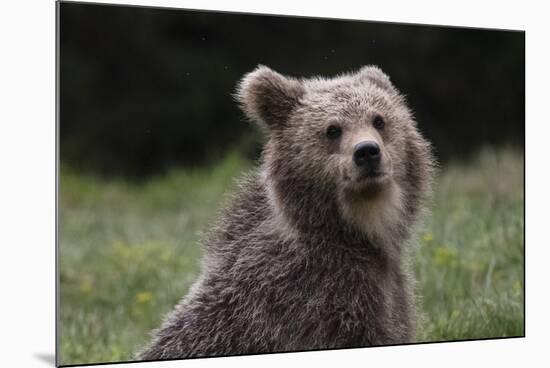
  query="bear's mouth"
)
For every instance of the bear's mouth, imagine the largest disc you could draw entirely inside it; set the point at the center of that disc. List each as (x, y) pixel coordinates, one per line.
(367, 181)
(372, 176)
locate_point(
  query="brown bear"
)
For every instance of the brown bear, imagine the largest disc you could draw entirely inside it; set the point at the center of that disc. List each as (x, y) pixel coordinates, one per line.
(310, 253)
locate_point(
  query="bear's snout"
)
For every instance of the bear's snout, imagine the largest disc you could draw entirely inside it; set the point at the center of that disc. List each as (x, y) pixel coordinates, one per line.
(366, 154)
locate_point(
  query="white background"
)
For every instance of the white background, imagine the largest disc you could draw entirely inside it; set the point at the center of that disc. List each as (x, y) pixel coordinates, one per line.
(27, 181)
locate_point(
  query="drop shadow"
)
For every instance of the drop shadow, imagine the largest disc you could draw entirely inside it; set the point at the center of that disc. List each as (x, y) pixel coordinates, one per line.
(46, 358)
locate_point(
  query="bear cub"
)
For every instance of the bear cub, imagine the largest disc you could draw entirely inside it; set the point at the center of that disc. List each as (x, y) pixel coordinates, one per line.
(309, 255)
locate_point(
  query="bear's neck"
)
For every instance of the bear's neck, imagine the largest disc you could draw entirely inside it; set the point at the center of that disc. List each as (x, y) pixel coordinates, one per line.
(309, 213)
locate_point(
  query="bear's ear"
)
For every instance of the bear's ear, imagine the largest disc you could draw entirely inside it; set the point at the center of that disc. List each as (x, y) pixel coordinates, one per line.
(375, 75)
(268, 97)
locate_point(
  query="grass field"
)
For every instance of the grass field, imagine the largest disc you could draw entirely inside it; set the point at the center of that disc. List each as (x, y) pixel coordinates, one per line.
(128, 252)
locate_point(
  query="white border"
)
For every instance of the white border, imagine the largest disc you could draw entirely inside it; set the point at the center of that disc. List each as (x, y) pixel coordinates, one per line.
(27, 184)
(464, 13)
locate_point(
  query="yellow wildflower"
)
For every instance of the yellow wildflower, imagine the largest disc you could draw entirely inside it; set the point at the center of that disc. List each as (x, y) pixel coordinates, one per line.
(428, 237)
(144, 297)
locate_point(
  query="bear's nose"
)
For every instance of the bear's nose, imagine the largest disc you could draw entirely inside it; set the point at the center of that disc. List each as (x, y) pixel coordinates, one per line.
(366, 153)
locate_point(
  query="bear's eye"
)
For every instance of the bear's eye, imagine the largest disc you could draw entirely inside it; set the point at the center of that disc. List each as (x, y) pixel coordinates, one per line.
(334, 132)
(378, 122)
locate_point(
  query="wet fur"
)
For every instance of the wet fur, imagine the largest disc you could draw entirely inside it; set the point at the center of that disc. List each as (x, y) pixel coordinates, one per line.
(300, 260)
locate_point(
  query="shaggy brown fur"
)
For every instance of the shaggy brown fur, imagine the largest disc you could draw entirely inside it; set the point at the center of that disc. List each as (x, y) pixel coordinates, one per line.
(309, 255)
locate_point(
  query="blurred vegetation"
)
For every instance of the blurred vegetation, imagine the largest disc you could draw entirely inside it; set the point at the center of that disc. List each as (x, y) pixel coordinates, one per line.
(470, 260)
(146, 89)
(129, 252)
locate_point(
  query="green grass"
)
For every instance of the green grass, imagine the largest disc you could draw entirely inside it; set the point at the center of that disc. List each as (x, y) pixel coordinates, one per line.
(469, 262)
(129, 252)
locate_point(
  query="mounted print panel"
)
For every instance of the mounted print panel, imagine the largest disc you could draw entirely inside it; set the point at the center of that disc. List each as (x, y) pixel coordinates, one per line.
(234, 184)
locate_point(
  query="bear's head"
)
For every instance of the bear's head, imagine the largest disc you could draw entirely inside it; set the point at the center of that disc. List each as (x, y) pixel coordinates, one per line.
(343, 154)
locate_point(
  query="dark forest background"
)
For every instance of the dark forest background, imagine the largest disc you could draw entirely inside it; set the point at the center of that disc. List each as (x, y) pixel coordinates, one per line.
(145, 89)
